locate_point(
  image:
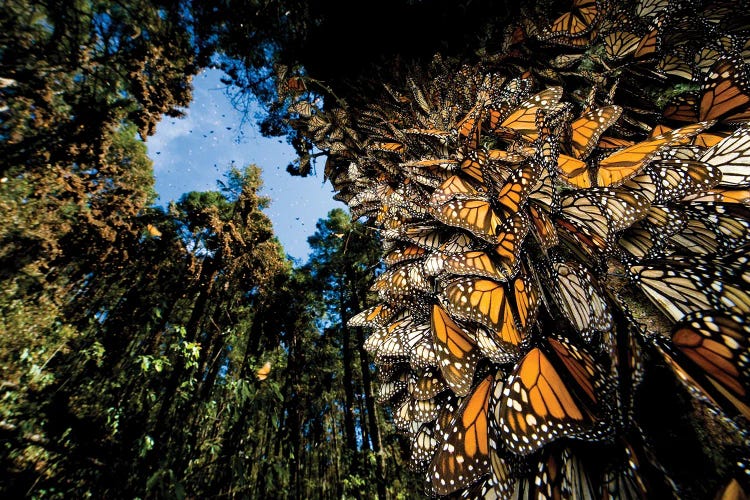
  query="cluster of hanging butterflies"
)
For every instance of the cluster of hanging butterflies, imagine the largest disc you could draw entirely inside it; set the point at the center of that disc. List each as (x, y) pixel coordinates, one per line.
(545, 252)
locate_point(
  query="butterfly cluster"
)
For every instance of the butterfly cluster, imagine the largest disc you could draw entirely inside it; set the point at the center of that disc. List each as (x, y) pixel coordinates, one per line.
(547, 251)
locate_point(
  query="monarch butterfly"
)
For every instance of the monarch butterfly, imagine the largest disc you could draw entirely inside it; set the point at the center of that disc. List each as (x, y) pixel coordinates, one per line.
(423, 448)
(263, 372)
(725, 92)
(377, 315)
(392, 387)
(671, 180)
(607, 142)
(648, 45)
(714, 227)
(399, 282)
(624, 480)
(430, 237)
(678, 290)
(650, 8)
(649, 237)
(418, 344)
(604, 211)
(486, 302)
(578, 22)
(436, 133)
(527, 298)
(475, 263)
(389, 348)
(717, 343)
(401, 415)
(732, 157)
(407, 252)
(544, 193)
(580, 299)
(153, 231)
(674, 64)
(426, 385)
(517, 188)
(523, 120)
(723, 195)
(707, 56)
(388, 147)
(464, 456)
(544, 229)
(318, 126)
(709, 139)
(510, 237)
(473, 214)
(587, 129)
(683, 108)
(426, 410)
(619, 44)
(455, 349)
(659, 129)
(564, 61)
(473, 164)
(574, 171)
(454, 187)
(303, 108)
(552, 394)
(543, 482)
(622, 165)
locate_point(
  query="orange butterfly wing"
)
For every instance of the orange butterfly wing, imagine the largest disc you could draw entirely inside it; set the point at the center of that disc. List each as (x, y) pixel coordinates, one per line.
(724, 93)
(456, 350)
(622, 165)
(483, 301)
(538, 407)
(587, 129)
(464, 455)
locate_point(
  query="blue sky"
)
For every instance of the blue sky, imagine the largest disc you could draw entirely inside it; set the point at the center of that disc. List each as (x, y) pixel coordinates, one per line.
(192, 153)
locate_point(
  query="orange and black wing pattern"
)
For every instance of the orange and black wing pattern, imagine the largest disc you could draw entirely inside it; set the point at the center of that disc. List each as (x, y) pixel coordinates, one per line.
(463, 457)
(552, 394)
(456, 351)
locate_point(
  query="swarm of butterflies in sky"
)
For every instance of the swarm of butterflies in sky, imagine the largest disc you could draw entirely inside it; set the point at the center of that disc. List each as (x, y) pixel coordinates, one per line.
(564, 305)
